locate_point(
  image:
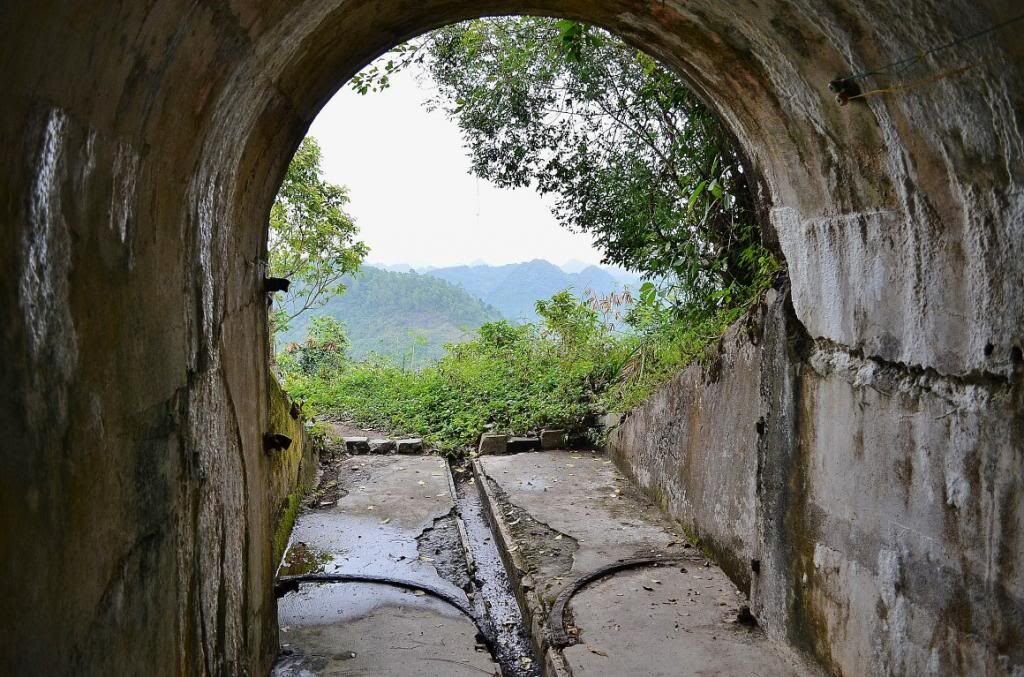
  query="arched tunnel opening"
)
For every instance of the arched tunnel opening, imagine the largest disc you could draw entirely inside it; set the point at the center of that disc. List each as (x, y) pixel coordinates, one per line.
(531, 553)
(877, 483)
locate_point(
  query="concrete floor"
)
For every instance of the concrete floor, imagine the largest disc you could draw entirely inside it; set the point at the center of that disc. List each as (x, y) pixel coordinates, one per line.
(393, 518)
(559, 515)
(567, 514)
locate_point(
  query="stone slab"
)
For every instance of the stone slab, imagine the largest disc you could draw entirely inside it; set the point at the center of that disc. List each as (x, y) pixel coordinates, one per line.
(410, 445)
(493, 443)
(382, 446)
(518, 445)
(552, 439)
(357, 445)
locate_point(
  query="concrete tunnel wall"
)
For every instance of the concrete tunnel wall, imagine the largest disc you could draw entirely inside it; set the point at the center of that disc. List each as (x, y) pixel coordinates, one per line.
(145, 142)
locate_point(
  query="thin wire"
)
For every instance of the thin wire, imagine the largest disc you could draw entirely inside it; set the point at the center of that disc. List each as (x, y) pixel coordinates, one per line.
(921, 56)
(952, 72)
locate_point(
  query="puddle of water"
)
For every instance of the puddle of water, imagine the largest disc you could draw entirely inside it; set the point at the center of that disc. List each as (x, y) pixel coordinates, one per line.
(495, 601)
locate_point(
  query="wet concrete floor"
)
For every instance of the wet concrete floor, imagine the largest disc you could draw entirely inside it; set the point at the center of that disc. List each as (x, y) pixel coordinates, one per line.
(443, 602)
(393, 519)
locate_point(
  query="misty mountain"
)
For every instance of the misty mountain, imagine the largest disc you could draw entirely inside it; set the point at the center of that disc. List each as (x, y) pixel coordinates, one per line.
(514, 288)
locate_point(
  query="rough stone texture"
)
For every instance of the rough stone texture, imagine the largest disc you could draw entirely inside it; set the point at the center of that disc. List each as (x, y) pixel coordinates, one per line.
(493, 443)
(693, 447)
(883, 503)
(382, 446)
(145, 143)
(552, 439)
(411, 445)
(357, 445)
(292, 471)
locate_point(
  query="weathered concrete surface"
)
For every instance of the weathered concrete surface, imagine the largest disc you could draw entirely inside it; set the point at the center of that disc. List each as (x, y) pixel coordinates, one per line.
(565, 514)
(693, 447)
(882, 504)
(292, 470)
(393, 518)
(661, 622)
(492, 443)
(385, 508)
(146, 141)
(358, 629)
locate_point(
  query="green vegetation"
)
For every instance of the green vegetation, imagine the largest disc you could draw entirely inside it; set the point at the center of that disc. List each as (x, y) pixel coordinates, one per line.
(560, 372)
(630, 154)
(312, 239)
(632, 157)
(403, 316)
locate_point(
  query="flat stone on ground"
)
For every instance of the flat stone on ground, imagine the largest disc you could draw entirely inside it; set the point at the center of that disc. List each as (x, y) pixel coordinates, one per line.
(410, 445)
(357, 445)
(493, 443)
(552, 439)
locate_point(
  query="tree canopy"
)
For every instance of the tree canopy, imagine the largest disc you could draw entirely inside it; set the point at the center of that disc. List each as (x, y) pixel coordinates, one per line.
(312, 238)
(629, 153)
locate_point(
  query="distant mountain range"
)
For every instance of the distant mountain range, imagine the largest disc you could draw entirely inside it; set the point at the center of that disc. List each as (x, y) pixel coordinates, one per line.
(515, 288)
(409, 315)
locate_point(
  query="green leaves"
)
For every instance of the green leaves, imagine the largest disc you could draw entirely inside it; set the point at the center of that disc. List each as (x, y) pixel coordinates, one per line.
(312, 239)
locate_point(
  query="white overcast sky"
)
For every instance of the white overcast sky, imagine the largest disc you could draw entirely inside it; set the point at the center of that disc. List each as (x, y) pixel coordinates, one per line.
(413, 196)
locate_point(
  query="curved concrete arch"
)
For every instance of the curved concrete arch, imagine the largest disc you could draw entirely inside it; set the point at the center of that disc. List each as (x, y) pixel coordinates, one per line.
(146, 143)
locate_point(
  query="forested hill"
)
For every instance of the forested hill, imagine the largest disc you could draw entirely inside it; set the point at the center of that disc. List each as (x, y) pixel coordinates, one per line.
(405, 316)
(515, 288)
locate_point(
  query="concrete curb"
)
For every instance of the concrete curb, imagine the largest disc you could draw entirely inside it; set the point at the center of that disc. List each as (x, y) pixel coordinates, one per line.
(533, 609)
(463, 536)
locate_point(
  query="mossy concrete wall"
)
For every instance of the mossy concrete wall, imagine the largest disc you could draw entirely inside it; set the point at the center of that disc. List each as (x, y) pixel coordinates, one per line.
(875, 510)
(145, 141)
(293, 471)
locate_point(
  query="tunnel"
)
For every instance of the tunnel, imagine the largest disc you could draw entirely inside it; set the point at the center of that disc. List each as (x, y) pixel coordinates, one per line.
(144, 145)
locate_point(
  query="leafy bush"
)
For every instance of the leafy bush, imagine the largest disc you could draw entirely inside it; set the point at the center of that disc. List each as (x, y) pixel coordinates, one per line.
(512, 378)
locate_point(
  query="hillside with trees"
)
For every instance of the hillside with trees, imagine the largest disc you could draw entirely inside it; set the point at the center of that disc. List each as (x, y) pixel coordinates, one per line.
(514, 289)
(405, 316)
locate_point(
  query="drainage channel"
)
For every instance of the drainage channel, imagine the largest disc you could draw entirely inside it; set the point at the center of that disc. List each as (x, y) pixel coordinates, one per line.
(497, 610)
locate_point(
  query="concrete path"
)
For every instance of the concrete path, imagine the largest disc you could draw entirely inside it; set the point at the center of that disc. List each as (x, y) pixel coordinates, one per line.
(381, 516)
(563, 515)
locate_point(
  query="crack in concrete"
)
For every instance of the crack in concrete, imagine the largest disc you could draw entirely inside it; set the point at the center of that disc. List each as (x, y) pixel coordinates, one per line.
(543, 539)
(441, 545)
